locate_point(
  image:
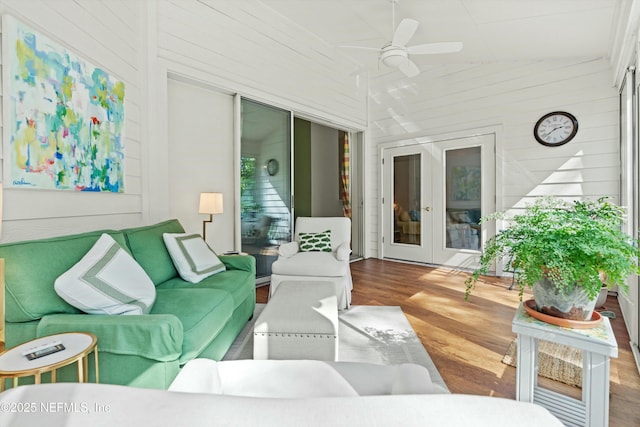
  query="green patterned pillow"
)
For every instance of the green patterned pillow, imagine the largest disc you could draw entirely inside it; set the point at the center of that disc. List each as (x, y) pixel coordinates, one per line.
(318, 242)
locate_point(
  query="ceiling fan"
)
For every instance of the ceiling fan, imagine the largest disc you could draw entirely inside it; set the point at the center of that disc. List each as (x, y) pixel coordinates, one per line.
(396, 53)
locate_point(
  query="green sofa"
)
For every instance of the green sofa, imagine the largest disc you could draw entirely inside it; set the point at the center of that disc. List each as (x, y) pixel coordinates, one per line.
(187, 320)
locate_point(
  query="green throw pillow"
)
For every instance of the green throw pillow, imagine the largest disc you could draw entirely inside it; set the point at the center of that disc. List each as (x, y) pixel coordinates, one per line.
(318, 242)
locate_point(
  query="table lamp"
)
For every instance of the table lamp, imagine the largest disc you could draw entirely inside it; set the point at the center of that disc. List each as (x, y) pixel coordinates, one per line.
(210, 203)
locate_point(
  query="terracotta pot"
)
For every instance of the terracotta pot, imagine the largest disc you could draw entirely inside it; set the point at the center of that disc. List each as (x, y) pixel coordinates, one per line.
(575, 306)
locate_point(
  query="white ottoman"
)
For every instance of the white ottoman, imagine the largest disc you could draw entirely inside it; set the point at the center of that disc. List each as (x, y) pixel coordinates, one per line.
(299, 322)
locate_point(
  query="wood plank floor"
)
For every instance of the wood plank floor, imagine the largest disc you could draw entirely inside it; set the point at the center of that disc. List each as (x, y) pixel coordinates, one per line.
(467, 340)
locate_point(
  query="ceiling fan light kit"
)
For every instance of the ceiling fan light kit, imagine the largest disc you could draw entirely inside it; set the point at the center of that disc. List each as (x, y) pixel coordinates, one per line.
(393, 56)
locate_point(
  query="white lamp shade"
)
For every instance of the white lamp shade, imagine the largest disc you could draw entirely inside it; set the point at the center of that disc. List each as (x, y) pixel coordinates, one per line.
(210, 203)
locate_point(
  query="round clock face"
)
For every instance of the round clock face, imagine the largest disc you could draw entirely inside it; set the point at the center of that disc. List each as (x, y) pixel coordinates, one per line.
(272, 167)
(555, 128)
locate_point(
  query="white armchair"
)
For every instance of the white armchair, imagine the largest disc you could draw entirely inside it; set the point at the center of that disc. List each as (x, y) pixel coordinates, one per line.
(299, 263)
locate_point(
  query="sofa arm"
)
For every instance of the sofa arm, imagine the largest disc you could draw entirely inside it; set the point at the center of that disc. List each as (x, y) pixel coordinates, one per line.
(239, 262)
(154, 336)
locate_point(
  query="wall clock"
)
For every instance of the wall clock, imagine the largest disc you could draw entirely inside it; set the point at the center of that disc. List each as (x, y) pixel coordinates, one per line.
(555, 129)
(272, 167)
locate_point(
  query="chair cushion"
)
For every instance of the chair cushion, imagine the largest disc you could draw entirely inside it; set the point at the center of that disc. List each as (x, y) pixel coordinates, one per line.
(107, 280)
(191, 255)
(323, 264)
(340, 228)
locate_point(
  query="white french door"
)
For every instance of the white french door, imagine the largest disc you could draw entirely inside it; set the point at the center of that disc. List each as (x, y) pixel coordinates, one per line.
(408, 229)
(433, 197)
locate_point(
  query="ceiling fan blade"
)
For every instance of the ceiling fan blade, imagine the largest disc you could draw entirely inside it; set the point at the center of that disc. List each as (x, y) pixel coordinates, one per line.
(409, 68)
(376, 49)
(406, 29)
(433, 48)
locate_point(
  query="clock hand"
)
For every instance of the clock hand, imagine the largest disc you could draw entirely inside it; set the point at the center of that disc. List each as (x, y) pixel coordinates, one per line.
(553, 130)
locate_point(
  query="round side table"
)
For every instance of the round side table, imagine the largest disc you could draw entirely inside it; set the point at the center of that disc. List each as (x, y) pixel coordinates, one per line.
(78, 346)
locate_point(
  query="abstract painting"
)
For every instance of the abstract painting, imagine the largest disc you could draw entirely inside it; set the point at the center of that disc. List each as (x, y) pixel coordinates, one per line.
(64, 117)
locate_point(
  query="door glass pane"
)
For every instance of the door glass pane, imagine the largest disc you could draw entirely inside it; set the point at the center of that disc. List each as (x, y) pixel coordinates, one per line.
(265, 182)
(463, 196)
(406, 199)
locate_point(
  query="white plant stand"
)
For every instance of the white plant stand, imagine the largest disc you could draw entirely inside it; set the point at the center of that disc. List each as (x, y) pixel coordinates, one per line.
(598, 345)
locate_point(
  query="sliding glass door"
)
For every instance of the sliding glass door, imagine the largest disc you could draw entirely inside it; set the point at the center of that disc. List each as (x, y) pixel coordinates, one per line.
(629, 195)
(265, 182)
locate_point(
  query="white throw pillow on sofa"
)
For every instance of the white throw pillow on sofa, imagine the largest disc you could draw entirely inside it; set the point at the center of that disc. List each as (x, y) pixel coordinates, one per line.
(107, 280)
(191, 255)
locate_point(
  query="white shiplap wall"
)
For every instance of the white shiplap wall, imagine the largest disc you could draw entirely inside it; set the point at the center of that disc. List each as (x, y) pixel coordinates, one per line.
(511, 97)
(107, 34)
(246, 47)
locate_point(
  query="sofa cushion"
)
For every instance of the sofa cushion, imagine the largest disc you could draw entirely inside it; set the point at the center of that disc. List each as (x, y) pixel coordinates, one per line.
(202, 312)
(315, 242)
(310, 264)
(31, 267)
(233, 282)
(107, 280)
(192, 257)
(148, 248)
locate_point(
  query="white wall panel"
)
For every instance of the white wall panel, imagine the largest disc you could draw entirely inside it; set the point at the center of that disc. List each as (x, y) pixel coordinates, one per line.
(459, 98)
(105, 33)
(248, 48)
(200, 131)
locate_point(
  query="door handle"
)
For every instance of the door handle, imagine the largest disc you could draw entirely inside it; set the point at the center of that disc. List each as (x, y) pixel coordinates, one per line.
(428, 209)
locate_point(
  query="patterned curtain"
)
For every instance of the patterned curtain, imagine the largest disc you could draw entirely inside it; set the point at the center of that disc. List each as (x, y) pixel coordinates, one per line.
(344, 177)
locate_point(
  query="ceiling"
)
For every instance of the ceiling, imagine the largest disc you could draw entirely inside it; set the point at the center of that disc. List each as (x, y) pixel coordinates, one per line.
(491, 30)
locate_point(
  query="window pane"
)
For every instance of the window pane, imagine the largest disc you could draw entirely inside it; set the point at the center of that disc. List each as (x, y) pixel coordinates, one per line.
(406, 199)
(265, 182)
(464, 193)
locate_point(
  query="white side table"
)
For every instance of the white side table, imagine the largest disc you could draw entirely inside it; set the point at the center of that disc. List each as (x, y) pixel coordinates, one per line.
(598, 345)
(78, 346)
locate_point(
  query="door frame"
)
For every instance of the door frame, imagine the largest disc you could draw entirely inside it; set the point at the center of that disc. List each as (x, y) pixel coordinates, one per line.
(495, 130)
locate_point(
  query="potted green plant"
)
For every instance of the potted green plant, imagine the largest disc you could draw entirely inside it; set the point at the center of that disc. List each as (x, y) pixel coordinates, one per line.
(564, 251)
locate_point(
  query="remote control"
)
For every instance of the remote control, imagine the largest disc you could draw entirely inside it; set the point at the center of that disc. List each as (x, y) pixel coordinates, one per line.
(43, 350)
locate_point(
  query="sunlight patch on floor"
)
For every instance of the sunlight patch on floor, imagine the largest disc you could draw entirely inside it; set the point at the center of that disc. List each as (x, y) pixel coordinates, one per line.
(440, 342)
